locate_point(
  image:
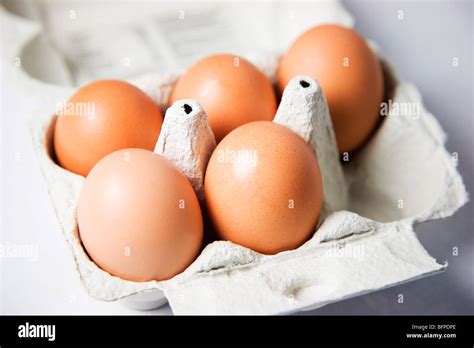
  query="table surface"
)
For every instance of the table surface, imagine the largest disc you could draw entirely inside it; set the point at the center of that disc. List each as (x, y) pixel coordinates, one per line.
(422, 46)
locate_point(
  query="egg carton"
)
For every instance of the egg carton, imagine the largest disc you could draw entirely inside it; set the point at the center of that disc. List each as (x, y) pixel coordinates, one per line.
(402, 176)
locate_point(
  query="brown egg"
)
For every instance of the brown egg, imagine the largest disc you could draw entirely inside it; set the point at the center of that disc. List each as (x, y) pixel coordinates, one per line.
(100, 118)
(231, 90)
(349, 74)
(263, 188)
(139, 218)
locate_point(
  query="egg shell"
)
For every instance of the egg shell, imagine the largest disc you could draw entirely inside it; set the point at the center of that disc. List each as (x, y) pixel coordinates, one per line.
(231, 90)
(349, 73)
(263, 181)
(103, 117)
(139, 218)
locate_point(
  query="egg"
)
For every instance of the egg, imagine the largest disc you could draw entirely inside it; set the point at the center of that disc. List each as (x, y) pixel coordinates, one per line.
(231, 90)
(263, 188)
(100, 118)
(138, 216)
(350, 75)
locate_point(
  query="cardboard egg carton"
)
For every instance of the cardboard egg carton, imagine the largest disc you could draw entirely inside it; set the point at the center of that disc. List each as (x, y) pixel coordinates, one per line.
(365, 240)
